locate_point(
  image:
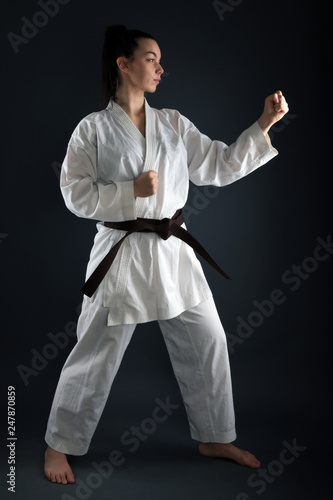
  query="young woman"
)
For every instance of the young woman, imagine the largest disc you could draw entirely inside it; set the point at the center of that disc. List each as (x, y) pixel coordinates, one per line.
(129, 166)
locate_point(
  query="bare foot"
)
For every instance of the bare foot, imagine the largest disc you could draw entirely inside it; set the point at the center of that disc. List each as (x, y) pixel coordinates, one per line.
(228, 450)
(56, 467)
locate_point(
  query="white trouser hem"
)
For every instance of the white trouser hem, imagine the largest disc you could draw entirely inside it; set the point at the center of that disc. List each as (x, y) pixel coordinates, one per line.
(219, 437)
(64, 446)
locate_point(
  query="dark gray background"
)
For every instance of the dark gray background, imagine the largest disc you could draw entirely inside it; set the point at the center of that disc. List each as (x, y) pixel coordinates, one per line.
(217, 73)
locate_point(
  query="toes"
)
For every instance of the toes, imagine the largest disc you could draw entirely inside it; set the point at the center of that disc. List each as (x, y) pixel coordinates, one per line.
(52, 477)
(61, 478)
(70, 478)
(254, 462)
(255, 465)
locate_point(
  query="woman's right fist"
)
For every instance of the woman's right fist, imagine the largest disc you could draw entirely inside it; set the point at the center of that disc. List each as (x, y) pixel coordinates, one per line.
(146, 184)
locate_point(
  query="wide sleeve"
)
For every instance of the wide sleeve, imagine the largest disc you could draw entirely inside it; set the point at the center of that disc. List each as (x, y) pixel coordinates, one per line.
(84, 194)
(213, 162)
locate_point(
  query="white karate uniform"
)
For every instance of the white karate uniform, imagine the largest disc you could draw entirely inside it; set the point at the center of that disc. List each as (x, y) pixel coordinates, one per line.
(150, 278)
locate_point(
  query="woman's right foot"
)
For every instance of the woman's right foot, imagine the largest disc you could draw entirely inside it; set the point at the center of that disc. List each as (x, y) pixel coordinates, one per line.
(56, 467)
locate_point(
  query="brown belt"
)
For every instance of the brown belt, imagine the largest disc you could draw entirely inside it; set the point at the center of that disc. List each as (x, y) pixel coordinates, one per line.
(164, 228)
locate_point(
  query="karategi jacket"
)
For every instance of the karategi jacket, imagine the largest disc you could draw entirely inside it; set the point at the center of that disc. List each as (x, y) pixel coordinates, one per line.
(150, 278)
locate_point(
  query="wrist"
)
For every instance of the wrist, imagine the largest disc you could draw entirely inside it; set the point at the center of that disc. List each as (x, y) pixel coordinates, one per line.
(135, 188)
(264, 124)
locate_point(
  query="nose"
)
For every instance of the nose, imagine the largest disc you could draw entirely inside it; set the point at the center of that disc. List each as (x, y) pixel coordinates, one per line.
(160, 70)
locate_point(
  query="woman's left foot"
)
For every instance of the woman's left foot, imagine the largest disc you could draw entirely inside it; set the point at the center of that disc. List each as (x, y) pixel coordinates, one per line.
(228, 450)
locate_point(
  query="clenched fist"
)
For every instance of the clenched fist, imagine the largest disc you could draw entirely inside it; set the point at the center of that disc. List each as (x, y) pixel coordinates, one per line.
(275, 108)
(146, 184)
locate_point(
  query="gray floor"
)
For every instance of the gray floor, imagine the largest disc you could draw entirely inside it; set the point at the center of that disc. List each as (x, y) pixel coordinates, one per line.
(167, 466)
(290, 438)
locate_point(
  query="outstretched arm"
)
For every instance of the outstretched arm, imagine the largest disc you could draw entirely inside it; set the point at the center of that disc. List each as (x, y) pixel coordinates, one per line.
(274, 109)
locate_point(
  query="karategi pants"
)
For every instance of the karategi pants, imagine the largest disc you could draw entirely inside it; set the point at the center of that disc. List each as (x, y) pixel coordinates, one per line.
(197, 346)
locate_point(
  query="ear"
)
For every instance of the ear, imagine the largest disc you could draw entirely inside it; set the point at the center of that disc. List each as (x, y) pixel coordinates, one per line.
(122, 64)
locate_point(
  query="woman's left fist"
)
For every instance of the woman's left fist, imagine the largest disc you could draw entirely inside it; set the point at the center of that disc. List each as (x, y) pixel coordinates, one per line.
(274, 109)
(280, 104)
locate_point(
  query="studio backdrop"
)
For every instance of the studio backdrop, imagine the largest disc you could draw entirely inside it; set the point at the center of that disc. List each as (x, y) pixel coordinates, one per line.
(271, 231)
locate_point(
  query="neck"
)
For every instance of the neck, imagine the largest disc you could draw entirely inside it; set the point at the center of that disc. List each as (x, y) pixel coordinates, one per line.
(132, 102)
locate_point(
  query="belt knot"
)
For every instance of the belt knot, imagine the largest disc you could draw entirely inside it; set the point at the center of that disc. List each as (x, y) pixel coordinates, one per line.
(163, 227)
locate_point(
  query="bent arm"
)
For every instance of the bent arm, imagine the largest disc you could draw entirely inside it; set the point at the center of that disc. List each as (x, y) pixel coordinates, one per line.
(84, 193)
(86, 197)
(215, 163)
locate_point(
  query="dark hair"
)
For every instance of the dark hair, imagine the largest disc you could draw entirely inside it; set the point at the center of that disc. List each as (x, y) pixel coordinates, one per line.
(118, 41)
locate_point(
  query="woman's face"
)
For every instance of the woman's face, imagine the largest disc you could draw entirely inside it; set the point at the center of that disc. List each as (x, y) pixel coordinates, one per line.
(143, 71)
